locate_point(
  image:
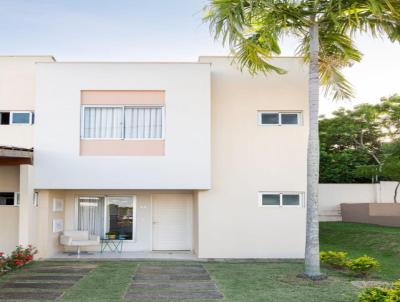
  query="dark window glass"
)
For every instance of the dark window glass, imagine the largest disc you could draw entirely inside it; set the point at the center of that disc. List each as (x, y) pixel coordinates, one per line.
(270, 200)
(6, 198)
(269, 118)
(4, 118)
(289, 119)
(290, 199)
(21, 118)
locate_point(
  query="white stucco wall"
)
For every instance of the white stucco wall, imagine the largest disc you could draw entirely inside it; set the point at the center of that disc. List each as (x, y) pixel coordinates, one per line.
(248, 158)
(17, 93)
(9, 215)
(332, 195)
(186, 164)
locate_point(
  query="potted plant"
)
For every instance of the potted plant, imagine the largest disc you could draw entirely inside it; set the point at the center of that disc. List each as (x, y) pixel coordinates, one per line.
(111, 235)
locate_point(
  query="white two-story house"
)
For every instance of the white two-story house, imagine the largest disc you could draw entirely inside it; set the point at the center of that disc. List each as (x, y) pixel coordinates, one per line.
(195, 156)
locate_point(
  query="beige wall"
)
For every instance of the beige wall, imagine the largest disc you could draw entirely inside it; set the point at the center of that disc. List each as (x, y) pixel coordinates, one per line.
(9, 215)
(47, 240)
(17, 93)
(9, 228)
(248, 158)
(332, 195)
(9, 178)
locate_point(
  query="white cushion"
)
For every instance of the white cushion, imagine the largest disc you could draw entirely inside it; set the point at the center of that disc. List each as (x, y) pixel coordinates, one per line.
(84, 242)
(77, 235)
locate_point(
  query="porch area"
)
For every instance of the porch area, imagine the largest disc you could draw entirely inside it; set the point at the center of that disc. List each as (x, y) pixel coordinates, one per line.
(117, 224)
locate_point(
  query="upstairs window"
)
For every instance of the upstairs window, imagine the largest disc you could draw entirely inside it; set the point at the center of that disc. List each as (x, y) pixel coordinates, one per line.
(16, 117)
(9, 198)
(278, 199)
(21, 117)
(279, 118)
(123, 122)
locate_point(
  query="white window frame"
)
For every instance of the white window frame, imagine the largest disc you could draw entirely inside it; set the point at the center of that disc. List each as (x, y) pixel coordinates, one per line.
(106, 199)
(123, 122)
(16, 199)
(12, 117)
(300, 205)
(299, 118)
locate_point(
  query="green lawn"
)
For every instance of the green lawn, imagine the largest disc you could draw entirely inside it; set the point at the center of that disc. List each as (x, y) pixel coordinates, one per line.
(264, 281)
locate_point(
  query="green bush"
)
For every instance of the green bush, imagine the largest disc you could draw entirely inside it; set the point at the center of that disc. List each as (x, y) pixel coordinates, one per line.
(334, 259)
(361, 266)
(381, 294)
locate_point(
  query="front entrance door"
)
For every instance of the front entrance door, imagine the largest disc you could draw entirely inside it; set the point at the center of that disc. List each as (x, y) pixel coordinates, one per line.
(172, 221)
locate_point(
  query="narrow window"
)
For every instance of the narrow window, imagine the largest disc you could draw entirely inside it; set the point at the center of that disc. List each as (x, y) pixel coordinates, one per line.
(290, 199)
(289, 118)
(270, 118)
(271, 200)
(9, 198)
(280, 199)
(279, 118)
(21, 117)
(4, 118)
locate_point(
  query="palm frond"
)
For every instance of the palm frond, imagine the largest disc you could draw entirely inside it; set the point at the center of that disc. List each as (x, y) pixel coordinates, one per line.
(253, 29)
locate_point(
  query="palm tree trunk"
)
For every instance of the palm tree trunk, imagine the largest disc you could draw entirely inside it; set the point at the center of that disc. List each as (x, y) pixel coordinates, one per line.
(312, 265)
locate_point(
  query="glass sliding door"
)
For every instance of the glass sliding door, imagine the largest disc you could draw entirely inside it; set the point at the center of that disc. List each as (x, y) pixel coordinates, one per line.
(91, 215)
(120, 216)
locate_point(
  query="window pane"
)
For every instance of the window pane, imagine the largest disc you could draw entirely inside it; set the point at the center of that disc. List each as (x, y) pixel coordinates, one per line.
(7, 199)
(269, 118)
(143, 122)
(120, 217)
(270, 200)
(290, 199)
(102, 122)
(21, 118)
(4, 118)
(90, 215)
(289, 118)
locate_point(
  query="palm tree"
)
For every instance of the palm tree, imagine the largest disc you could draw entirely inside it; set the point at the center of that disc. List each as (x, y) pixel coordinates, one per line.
(325, 29)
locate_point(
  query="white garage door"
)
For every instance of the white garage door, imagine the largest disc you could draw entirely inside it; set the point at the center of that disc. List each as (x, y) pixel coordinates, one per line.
(172, 221)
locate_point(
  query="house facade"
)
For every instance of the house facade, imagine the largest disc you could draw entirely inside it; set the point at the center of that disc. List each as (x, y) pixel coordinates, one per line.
(196, 157)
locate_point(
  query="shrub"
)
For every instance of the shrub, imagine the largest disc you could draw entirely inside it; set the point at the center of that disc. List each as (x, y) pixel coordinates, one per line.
(334, 259)
(18, 258)
(3, 263)
(361, 266)
(381, 294)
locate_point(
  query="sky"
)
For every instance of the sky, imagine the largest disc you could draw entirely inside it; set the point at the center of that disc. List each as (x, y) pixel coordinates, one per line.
(159, 30)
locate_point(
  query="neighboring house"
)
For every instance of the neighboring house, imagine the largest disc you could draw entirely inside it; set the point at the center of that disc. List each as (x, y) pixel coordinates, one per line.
(171, 156)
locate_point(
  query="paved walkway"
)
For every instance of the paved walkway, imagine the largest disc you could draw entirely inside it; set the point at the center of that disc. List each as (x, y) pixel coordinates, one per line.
(172, 282)
(43, 283)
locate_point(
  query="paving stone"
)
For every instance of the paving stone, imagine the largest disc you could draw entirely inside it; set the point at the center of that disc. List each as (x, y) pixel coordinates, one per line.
(30, 295)
(171, 270)
(155, 266)
(370, 283)
(184, 285)
(37, 285)
(48, 278)
(165, 277)
(61, 270)
(173, 295)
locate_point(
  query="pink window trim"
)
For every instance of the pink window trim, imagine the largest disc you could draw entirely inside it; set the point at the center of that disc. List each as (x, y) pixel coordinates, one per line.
(106, 147)
(122, 97)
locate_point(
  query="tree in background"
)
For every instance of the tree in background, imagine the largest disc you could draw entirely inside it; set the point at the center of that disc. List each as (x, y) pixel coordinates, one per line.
(353, 141)
(325, 30)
